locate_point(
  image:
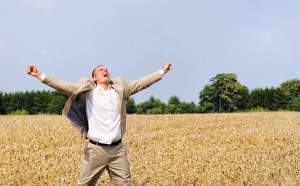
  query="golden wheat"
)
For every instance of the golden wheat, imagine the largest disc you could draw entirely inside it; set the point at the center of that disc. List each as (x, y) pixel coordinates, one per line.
(206, 149)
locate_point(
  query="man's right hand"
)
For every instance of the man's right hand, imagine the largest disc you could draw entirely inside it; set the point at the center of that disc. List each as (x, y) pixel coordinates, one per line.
(33, 71)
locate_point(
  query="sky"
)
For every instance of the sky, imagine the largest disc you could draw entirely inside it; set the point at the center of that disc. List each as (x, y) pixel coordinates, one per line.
(258, 40)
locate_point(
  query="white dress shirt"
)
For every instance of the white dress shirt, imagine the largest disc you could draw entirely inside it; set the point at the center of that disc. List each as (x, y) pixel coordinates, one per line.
(103, 115)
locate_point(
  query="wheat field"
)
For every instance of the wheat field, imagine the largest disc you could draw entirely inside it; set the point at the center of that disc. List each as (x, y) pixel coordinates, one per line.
(199, 149)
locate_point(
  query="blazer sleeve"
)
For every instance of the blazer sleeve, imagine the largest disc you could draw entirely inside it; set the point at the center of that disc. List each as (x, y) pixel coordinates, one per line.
(135, 86)
(67, 88)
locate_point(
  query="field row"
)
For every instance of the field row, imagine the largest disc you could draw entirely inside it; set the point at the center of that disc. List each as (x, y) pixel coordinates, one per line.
(200, 149)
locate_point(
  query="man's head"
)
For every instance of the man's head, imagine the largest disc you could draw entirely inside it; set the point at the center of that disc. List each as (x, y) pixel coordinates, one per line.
(101, 75)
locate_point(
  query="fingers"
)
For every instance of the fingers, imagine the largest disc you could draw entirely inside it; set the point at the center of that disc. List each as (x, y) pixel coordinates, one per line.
(31, 70)
(167, 67)
(28, 70)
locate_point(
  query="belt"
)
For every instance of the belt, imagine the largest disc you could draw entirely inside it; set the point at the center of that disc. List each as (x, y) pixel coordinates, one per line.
(115, 143)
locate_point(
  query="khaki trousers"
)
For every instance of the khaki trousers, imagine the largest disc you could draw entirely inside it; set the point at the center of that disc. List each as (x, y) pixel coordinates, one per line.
(98, 158)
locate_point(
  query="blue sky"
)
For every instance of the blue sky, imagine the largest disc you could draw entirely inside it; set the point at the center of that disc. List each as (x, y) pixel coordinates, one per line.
(258, 40)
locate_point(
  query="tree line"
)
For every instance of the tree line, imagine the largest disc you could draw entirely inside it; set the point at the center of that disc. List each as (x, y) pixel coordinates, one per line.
(224, 93)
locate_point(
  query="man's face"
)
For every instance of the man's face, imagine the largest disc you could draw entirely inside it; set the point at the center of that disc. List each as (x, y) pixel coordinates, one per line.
(101, 75)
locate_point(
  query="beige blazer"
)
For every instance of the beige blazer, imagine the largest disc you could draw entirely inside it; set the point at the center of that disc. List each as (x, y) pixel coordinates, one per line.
(75, 109)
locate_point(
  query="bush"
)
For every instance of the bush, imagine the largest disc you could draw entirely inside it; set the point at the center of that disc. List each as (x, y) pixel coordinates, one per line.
(19, 112)
(295, 104)
(259, 109)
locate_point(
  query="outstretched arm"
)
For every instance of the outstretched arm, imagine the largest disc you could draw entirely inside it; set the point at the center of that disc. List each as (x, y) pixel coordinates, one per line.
(59, 85)
(142, 83)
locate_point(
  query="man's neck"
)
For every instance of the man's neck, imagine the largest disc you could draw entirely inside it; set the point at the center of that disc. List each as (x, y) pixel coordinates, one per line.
(104, 86)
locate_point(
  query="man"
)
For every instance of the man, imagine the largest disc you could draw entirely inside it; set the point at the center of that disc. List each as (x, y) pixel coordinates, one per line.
(98, 109)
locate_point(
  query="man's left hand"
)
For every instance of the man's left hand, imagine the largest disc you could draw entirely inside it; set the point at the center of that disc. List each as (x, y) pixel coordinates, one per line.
(167, 67)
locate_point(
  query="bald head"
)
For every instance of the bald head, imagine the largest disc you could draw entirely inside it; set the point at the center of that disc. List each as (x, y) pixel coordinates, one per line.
(93, 73)
(101, 75)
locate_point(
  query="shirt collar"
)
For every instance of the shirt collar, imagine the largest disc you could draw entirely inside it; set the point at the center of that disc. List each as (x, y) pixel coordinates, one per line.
(99, 88)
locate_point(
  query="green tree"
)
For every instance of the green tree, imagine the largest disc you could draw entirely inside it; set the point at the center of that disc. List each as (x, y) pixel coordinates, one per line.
(295, 104)
(224, 94)
(18, 101)
(28, 101)
(158, 110)
(208, 99)
(12, 102)
(291, 88)
(1, 104)
(56, 104)
(268, 99)
(131, 106)
(150, 104)
(257, 99)
(173, 106)
(279, 100)
(40, 103)
(188, 107)
(174, 100)
(8, 103)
